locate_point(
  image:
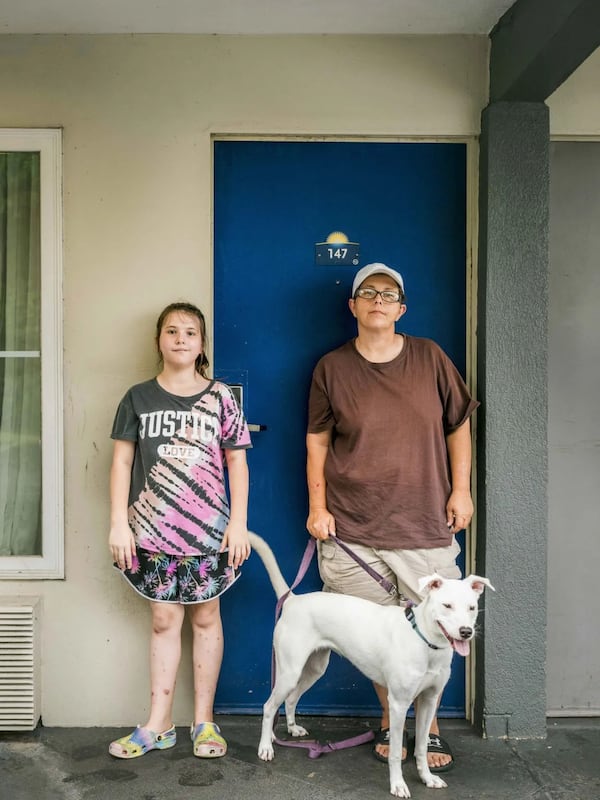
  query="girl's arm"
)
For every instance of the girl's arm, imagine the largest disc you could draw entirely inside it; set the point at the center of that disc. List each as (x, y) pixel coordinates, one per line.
(236, 533)
(121, 542)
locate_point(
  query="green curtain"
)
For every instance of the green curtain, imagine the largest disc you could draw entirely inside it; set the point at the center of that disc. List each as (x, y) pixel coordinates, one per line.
(20, 363)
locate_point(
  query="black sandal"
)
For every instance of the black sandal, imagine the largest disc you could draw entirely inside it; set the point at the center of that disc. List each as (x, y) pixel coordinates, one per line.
(437, 744)
(383, 737)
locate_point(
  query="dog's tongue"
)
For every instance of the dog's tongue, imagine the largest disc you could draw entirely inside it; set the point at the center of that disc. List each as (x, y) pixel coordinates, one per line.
(461, 646)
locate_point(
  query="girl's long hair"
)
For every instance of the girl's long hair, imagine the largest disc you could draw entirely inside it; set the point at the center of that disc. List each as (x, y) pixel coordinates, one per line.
(186, 308)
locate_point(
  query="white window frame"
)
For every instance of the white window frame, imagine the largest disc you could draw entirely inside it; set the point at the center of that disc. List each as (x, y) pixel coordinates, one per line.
(48, 143)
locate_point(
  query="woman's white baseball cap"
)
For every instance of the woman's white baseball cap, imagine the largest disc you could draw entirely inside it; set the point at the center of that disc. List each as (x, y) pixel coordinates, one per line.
(376, 269)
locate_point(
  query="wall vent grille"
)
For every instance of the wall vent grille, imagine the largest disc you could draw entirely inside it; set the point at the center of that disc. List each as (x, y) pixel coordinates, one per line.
(19, 664)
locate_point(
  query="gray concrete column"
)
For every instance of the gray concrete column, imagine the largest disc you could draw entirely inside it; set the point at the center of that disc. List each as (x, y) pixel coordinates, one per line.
(512, 423)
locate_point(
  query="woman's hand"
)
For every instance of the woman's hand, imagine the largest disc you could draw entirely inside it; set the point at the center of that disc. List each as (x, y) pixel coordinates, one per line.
(459, 510)
(320, 523)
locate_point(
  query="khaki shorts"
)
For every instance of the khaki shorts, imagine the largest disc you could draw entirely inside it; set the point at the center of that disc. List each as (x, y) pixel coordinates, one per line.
(341, 574)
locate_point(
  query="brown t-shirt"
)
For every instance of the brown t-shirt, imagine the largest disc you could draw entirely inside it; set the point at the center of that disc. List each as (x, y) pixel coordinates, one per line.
(387, 471)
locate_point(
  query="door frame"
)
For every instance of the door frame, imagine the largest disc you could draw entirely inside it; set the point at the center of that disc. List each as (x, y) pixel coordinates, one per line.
(471, 249)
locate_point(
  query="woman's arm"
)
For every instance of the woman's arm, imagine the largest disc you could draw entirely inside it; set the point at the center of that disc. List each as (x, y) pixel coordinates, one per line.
(320, 522)
(459, 508)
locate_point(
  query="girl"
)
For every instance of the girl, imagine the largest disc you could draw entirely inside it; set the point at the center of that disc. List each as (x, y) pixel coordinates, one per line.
(172, 533)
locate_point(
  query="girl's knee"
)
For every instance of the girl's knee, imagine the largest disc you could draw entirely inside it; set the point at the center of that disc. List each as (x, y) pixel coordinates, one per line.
(166, 617)
(205, 615)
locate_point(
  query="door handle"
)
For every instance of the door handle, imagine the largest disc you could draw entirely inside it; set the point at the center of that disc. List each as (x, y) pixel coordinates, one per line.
(254, 427)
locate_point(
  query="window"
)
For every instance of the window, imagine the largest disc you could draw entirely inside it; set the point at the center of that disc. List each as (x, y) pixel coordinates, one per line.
(31, 430)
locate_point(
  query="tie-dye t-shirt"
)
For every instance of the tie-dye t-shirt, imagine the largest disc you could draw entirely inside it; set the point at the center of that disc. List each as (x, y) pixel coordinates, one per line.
(178, 501)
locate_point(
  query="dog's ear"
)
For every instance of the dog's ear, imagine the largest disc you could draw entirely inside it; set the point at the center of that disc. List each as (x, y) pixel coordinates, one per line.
(478, 584)
(430, 582)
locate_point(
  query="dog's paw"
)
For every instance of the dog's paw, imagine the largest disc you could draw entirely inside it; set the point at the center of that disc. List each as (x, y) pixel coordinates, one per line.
(400, 789)
(434, 782)
(297, 730)
(266, 752)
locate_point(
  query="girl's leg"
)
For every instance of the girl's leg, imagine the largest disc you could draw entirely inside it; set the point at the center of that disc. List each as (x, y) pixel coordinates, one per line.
(165, 653)
(207, 654)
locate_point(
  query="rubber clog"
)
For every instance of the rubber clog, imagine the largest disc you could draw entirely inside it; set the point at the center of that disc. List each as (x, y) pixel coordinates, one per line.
(141, 741)
(207, 739)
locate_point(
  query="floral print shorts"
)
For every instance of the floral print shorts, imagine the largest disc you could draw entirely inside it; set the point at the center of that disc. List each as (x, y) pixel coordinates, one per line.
(166, 578)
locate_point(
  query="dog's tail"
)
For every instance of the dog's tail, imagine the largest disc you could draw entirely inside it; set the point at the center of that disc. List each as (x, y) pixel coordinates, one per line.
(271, 565)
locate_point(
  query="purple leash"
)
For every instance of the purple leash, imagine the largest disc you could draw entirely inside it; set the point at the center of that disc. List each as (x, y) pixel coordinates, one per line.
(389, 587)
(316, 749)
(304, 564)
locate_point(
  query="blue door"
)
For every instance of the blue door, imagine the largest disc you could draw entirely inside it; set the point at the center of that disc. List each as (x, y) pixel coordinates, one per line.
(277, 311)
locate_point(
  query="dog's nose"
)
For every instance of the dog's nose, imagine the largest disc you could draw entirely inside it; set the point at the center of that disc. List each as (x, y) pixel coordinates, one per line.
(465, 633)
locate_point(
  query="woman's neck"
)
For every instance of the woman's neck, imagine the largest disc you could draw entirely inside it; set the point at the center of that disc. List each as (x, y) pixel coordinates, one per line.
(379, 347)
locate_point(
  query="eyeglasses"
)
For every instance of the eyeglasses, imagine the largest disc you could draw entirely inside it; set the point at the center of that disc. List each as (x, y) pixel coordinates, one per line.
(388, 295)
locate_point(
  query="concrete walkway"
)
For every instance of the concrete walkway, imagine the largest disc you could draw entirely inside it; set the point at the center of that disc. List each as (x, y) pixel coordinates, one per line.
(73, 764)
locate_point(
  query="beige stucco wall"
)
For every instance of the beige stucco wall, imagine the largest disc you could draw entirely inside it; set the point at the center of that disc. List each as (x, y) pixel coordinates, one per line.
(138, 114)
(575, 106)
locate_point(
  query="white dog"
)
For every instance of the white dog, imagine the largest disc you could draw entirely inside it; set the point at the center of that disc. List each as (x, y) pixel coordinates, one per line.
(411, 658)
